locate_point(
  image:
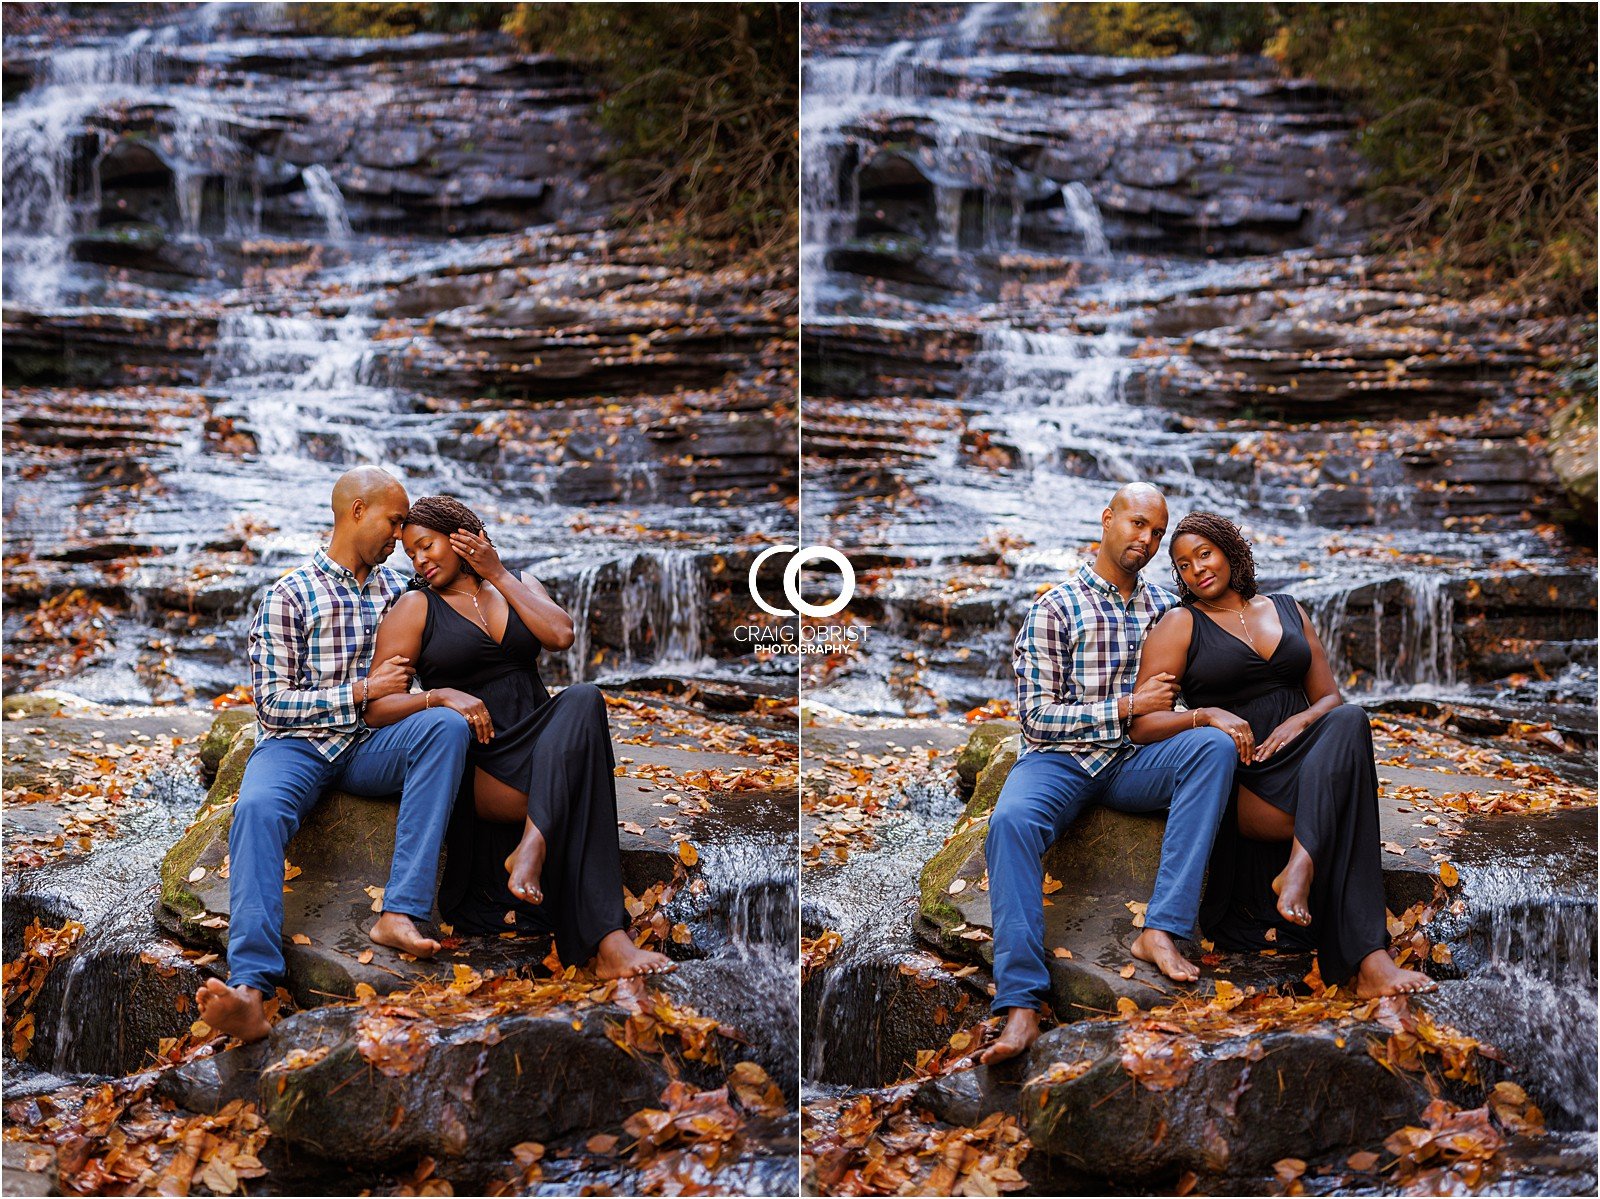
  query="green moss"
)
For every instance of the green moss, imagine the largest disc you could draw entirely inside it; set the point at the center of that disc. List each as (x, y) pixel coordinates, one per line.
(230, 771)
(967, 841)
(219, 739)
(177, 894)
(16, 707)
(980, 747)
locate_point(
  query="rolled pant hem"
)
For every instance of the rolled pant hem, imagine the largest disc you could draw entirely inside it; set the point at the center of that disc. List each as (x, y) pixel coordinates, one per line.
(1002, 1005)
(423, 916)
(1187, 934)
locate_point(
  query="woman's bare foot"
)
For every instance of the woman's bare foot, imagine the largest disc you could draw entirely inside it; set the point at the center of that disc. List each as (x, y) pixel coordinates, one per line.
(1021, 1031)
(1157, 948)
(1378, 975)
(237, 1011)
(398, 931)
(619, 957)
(1293, 886)
(525, 864)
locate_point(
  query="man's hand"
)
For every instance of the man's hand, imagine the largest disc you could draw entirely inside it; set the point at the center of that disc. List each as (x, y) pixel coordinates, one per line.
(1156, 694)
(392, 677)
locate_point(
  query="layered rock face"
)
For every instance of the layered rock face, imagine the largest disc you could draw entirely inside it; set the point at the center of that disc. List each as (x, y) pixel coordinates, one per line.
(1034, 276)
(241, 259)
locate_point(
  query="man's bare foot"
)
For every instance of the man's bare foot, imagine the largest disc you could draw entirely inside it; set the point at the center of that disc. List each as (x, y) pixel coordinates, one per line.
(1157, 948)
(398, 931)
(237, 1011)
(619, 957)
(1378, 975)
(1021, 1031)
(1293, 886)
(525, 864)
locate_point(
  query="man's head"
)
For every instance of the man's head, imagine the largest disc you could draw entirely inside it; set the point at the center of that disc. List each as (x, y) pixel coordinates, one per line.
(369, 508)
(1132, 526)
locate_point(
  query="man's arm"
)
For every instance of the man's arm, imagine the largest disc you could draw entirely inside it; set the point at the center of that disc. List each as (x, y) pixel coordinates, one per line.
(277, 647)
(1042, 658)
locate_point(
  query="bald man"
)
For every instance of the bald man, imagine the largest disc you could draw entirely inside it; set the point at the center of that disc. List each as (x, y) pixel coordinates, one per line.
(1076, 660)
(311, 672)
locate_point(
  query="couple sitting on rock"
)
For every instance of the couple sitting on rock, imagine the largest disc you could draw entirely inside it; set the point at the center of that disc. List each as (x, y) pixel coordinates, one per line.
(1267, 774)
(454, 707)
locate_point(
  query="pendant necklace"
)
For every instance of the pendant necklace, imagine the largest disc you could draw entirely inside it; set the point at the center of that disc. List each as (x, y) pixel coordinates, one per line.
(481, 620)
(1239, 612)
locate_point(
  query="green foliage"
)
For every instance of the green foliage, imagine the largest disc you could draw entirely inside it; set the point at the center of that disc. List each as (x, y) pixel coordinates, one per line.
(702, 105)
(395, 20)
(1131, 30)
(1478, 118)
(1480, 123)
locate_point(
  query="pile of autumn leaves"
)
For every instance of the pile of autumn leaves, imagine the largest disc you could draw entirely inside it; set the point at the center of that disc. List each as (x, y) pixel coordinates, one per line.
(120, 1137)
(883, 1143)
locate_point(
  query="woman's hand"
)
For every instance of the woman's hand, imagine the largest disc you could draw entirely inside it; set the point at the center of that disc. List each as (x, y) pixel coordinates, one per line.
(1281, 736)
(469, 706)
(1236, 727)
(478, 553)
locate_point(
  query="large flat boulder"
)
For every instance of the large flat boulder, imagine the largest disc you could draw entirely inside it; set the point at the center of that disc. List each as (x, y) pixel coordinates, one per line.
(338, 863)
(1101, 873)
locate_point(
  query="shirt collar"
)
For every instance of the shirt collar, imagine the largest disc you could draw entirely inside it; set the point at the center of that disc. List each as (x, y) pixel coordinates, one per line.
(333, 570)
(1088, 576)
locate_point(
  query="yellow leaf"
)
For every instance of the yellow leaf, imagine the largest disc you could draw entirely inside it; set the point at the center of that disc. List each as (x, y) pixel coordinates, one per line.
(687, 853)
(1448, 874)
(300, 939)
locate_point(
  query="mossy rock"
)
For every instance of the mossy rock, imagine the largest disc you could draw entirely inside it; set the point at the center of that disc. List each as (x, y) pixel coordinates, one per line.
(965, 845)
(20, 707)
(1104, 861)
(344, 847)
(1572, 454)
(980, 747)
(230, 770)
(219, 739)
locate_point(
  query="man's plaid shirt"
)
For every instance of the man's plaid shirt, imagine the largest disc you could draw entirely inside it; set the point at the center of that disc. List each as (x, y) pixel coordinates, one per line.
(1077, 655)
(309, 644)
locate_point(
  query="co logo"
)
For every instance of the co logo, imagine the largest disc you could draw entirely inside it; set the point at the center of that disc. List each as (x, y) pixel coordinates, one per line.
(791, 580)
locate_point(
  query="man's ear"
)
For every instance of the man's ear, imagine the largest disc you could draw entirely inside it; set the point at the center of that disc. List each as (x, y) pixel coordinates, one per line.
(358, 509)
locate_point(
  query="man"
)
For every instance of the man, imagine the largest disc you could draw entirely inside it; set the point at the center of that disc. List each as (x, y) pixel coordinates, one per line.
(310, 653)
(1076, 659)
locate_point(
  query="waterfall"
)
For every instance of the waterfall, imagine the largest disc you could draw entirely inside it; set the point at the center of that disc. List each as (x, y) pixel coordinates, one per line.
(661, 599)
(1085, 216)
(1411, 631)
(44, 131)
(327, 200)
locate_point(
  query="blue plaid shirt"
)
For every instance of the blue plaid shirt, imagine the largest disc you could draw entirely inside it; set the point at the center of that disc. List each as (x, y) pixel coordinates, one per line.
(309, 644)
(1076, 655)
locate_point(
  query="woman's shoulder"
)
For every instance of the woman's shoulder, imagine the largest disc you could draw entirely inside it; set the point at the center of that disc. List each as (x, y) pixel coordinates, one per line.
(1176, 619)
(411, 604)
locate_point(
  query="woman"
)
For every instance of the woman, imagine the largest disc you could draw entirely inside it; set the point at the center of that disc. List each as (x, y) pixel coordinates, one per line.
(535, 829)
(1307, 785)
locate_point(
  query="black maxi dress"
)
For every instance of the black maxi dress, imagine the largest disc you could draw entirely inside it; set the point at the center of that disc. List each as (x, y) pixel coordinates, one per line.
(557, 752)
(1327, 779)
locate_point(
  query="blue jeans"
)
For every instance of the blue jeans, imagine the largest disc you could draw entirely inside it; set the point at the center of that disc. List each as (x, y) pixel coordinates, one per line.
(1192, 774)
(421, 758)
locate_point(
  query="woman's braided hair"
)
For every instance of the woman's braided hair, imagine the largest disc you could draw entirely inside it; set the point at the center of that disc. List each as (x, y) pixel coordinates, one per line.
(446, 514)
(1225, 535)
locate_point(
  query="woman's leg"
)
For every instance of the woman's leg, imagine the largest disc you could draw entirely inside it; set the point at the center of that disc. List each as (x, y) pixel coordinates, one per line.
(504, 804)
(572, 798)
(1260, 821)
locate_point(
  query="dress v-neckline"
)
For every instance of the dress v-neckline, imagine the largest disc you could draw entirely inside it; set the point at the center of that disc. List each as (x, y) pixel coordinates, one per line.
(1283, 632)
(478, 628)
